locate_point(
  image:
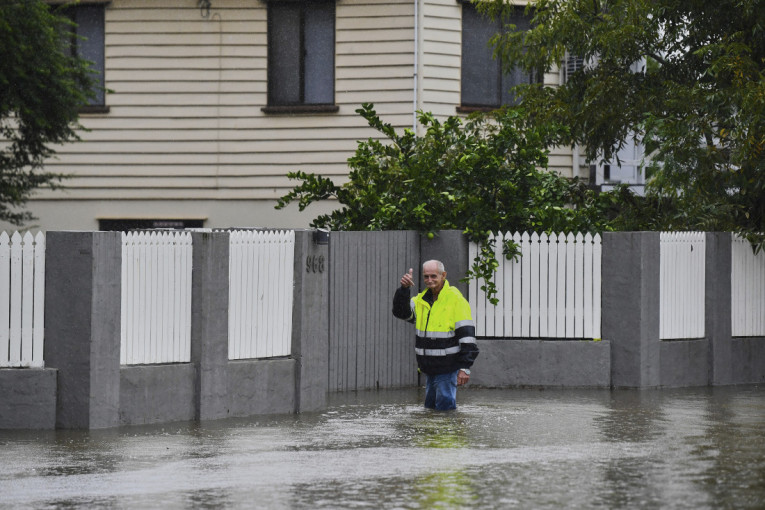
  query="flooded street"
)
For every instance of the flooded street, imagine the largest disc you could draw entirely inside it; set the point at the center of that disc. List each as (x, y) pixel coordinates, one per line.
(689, 448)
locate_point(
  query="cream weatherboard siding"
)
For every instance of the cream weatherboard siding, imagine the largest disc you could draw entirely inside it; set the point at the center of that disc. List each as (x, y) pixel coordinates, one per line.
(185, 136)
(441, 50)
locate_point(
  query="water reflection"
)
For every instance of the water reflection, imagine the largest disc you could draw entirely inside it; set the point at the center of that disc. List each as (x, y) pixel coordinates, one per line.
(451, 486)
(636, 417)
(701, 448)
(730, 449)
(447, 489)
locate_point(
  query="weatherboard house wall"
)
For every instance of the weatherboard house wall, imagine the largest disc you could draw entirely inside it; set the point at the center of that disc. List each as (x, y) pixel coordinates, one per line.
(184, 134)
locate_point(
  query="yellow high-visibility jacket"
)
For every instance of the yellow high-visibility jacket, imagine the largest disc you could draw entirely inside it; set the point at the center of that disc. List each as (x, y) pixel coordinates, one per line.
(445, 333)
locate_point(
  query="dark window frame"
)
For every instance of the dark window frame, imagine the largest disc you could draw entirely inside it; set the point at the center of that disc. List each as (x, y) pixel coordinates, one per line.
(301, 106)
(470, 107)
(98, 103)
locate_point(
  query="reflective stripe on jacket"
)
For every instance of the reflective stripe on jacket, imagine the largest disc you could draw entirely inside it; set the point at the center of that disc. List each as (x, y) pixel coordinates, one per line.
(445, 333)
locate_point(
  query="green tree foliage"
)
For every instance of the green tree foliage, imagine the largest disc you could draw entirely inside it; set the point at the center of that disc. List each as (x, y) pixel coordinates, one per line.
(42, 88)
(698, 102)
(481, 176)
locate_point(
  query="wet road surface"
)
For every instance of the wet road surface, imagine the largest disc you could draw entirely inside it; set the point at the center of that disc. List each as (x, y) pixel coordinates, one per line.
(689, 448)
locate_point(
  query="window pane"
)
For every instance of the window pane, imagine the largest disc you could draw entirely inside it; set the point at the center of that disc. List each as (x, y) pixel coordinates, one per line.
(510, 80)
(515, 76)
(480, 71)
(90, 43)
(284, 53)
(320, 53)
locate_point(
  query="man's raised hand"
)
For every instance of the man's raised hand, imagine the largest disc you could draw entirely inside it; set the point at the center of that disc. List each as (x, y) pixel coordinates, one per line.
(407, 280)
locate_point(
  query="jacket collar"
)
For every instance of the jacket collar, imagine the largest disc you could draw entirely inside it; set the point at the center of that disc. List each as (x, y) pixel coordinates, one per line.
(427, 295)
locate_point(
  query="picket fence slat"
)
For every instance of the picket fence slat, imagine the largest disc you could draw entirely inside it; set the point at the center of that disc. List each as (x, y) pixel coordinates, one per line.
(560, 287)
(551, 291)
(597, 280)
(472, 290)
(507, 291)
(517, 291)
(16, 300)
(489, 319)
(747, 289)
(185, 246)
(499, 311)
(38, 322)
(534, 289)
(543, 284)
(553, 286)
(5, 298)
(27, 284)
(258, 342)
(288, 259)
(588, 284)
(579, 286)
(568, 282)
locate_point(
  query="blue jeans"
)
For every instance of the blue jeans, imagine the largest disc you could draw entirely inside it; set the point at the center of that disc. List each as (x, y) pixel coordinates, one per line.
(441, 391)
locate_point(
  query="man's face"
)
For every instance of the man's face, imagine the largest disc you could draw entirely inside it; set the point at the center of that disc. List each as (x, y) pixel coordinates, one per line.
(434, 280)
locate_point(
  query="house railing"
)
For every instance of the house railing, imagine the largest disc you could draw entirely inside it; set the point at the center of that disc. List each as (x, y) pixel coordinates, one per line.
(682, 281)
(156, 298)
(22, 299)
(747, 289)
(551, 291)
(260, 293)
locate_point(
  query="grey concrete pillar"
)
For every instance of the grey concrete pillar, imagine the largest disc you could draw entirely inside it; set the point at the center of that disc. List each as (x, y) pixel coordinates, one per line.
(83, 279)
(310, 321)
(717, 307)
(451, 248)
(209, 323)
(630, 307)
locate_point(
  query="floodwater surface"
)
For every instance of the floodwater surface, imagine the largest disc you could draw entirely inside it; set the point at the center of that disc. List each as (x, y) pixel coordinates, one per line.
(690, 448)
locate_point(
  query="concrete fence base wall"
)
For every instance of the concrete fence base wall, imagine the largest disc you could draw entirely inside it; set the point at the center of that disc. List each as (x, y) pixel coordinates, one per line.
(261, 387)
(684, 363)
(748, 356)
(165, 393)
(553, 363)
(28, 398)
(157, 394)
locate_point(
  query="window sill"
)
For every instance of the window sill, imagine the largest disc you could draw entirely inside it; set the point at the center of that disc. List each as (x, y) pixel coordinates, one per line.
(472, 109)
(94, 109)
(306, 108)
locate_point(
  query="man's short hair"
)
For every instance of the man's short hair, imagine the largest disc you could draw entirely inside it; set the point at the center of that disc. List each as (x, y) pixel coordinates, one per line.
(440, 265)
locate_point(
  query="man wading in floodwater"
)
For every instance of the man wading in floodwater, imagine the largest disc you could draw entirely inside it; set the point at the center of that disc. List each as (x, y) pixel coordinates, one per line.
(445, 335)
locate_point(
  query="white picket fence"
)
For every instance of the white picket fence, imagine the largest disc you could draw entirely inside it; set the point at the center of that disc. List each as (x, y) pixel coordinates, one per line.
(260, 293)
(747, 289)
(551, 291)
(22, 299)
(681, 281)
(156, 298)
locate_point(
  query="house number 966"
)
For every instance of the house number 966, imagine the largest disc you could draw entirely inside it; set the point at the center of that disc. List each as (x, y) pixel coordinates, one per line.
(314, 264)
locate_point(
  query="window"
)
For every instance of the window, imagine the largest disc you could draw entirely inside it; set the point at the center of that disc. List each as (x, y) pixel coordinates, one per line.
(301, 55)
(88, 43)
(485, 85)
